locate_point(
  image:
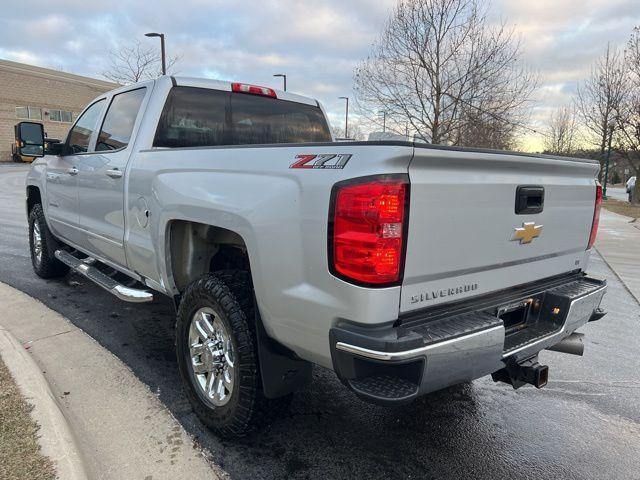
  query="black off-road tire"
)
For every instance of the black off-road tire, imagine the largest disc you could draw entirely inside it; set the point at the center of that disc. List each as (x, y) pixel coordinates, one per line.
(47, 265)
(230, 294)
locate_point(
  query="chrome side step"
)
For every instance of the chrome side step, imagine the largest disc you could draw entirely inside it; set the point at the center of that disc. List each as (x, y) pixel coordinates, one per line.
(86, 269)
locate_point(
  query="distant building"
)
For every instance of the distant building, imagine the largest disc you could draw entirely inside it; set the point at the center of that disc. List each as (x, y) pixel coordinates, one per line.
(387, 136)
(396, 137)
(38, 94)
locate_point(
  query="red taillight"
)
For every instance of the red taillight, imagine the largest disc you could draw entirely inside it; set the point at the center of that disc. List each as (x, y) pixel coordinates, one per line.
(367, 237)
(253, 90)
(596, 217)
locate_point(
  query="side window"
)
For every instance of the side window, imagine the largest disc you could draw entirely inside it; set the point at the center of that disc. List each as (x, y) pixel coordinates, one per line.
(119, 121)
(22, 112)
(80, 134)
(193, 117)
(35, 113)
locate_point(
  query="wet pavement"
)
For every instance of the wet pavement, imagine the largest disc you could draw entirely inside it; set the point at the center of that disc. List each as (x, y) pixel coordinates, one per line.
(584, 424)
(618, 193)
(619, 244)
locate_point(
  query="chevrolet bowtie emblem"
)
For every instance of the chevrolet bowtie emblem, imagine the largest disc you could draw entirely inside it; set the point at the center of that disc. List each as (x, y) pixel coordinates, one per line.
(527, 232)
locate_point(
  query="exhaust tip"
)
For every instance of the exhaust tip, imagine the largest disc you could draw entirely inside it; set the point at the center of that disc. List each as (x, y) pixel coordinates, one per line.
(573, 344)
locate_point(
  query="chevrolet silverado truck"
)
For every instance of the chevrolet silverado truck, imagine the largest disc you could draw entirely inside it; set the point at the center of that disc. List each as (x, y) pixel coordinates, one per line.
(405, 268)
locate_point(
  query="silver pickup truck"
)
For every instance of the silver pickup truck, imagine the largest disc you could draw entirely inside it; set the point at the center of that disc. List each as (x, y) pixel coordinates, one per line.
(405, 268)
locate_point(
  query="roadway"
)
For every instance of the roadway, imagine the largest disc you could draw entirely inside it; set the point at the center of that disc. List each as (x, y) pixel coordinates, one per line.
(584, 425)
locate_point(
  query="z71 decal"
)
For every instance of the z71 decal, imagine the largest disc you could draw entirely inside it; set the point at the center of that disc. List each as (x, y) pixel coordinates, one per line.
(325, 160)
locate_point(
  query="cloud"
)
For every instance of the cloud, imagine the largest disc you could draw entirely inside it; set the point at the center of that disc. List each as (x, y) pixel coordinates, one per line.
(316, 43)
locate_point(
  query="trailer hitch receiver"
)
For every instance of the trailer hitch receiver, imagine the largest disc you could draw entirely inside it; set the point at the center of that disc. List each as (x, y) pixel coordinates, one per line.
(526, 372)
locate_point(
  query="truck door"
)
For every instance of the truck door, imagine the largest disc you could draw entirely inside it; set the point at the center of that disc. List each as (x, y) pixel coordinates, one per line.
(62, 176)
(101, 178)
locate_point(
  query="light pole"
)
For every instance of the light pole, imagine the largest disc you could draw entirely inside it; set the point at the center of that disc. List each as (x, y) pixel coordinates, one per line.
(284, 78)
(606, 165)
(384, 121)
(161, 35)
(346, 117)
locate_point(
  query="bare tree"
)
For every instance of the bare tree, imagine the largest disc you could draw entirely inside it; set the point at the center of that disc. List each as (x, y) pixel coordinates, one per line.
(600, 97)
(442, 68)
(561, 135)
(355, 131)
(627, 114)
(134, 63)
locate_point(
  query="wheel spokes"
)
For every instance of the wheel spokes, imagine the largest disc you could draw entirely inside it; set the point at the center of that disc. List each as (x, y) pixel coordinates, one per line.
(200, 367)
(227, 375)
(228, 354)
(204, 327)
(197, 349)
(210, 384)
(37, 242)
(220, 389)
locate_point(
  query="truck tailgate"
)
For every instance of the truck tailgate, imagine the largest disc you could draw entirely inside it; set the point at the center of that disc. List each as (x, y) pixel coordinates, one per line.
(463, 239)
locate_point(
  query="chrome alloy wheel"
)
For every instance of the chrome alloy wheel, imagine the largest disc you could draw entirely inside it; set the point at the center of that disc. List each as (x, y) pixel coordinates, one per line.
(37, 243)
(212, 356)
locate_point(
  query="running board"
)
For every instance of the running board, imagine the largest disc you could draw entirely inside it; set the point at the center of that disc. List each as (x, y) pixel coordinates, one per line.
(127, 294)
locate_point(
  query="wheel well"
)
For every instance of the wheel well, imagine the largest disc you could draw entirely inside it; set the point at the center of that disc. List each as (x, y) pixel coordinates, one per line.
(197, 248)
(33, 198)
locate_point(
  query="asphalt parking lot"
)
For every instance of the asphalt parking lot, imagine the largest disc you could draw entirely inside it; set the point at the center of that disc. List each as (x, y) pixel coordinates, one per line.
(584, 424)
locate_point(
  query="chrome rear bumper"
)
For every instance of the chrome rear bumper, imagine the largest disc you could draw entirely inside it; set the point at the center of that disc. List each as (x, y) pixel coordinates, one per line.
(456, 349)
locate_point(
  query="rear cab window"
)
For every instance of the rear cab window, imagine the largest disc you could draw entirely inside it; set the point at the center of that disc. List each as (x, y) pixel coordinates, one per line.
(196, 117)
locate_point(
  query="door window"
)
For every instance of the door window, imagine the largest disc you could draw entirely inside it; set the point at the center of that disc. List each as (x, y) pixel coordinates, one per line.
(119, 121)
(81, 132)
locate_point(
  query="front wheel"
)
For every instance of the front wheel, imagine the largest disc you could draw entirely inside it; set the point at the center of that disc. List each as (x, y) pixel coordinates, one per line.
(218, 358)
(43, 245)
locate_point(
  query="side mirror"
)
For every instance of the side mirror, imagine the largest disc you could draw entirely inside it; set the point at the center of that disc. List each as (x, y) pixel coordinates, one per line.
(53, 147)
(30, 139)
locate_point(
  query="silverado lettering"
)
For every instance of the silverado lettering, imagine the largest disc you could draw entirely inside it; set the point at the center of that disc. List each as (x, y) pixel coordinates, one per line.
(449, 292)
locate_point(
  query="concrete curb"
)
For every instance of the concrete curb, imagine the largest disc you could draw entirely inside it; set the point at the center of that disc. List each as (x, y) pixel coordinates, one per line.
(55, 436)
(123, 429)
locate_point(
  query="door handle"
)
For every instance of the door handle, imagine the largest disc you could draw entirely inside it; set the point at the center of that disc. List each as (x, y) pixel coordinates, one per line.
(72, 171)
(114, 173)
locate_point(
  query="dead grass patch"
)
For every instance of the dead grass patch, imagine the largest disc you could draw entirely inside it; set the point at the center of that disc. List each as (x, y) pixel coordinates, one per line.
(20, 456)
(622, 208)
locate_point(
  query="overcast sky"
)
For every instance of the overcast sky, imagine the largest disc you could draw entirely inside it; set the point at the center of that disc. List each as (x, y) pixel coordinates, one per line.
(316, 43)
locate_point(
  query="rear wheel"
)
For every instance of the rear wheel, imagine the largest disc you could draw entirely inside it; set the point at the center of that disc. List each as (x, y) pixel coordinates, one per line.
(218, 357)
(43, 245)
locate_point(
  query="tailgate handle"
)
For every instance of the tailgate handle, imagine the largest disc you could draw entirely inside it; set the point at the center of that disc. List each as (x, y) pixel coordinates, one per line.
(529, 199)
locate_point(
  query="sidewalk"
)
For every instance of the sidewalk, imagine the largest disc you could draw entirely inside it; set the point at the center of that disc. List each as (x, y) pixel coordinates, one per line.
(121, 429)
(618, 242)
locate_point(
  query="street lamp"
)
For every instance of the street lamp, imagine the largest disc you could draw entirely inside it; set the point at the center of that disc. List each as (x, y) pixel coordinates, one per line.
(384, 121)
(346, 117)
(284, 77)
(161, 35)
(606, 165)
